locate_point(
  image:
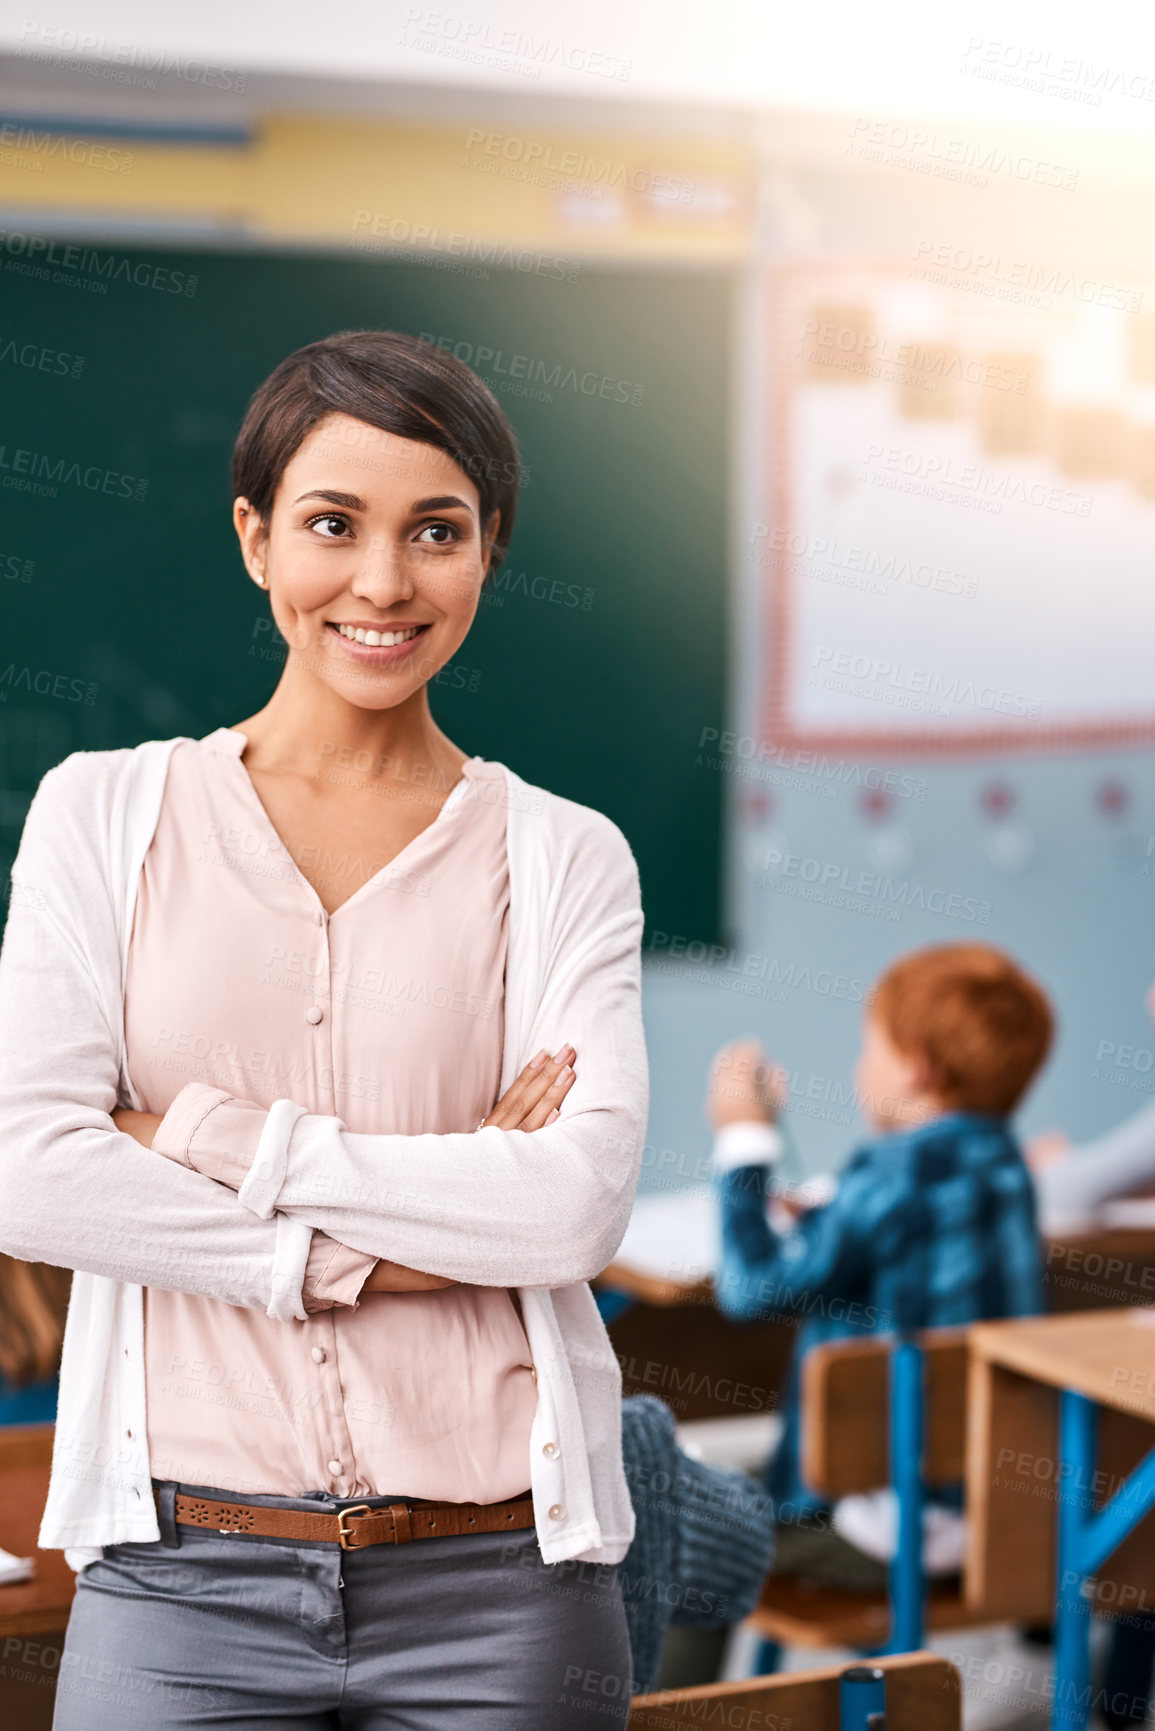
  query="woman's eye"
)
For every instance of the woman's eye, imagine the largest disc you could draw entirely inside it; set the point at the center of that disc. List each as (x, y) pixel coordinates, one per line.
(331, 528)
(441, 534)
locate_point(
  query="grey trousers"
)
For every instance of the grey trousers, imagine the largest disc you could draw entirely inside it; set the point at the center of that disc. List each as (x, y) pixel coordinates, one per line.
(457, 1634)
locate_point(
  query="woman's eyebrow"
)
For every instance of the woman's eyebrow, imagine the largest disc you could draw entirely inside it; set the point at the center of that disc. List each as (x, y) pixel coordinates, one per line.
(444, 502)
(350, 501)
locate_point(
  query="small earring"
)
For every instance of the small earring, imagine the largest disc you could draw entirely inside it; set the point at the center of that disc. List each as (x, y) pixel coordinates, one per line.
(261, 581)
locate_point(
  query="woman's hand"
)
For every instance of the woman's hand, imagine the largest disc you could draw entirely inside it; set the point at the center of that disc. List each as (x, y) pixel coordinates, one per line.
(533, 1100)
(529, 1103)
(142, 1125)
(395, 1277)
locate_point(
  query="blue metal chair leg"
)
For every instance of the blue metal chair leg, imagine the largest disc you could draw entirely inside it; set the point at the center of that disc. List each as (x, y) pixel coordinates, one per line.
(611, 1303)
(1077, 1427)
(861, 1698)
(907, 1583)
(767, 1659)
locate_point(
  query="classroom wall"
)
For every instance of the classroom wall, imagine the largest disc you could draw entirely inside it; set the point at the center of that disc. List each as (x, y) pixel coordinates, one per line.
(1065, 879)
(1077, 910)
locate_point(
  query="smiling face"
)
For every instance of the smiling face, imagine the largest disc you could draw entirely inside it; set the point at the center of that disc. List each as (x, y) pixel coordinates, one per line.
(373, 557)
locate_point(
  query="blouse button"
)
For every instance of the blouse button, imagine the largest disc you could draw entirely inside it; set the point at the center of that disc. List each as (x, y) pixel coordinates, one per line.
(313, 1014)
(557, 1512)
(334, 1467)
(550, 1451)
(319, 1355)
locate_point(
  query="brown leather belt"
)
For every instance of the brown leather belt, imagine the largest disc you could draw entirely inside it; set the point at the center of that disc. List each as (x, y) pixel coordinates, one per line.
(354, 1528)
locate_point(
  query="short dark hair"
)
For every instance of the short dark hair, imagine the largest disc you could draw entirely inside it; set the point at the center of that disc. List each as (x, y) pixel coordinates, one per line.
(982, 1025)
(392, 381)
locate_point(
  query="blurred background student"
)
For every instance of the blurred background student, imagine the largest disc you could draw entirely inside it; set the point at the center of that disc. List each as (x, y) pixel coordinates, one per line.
(1074, 1183)
(931, 1224)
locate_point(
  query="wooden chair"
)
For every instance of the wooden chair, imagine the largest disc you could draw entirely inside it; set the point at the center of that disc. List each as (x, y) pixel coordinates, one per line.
(923, 1693)
(33, 1614)
(845, 1438)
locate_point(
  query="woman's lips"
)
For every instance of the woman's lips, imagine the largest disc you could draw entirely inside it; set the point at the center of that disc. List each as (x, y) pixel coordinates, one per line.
(378, 654)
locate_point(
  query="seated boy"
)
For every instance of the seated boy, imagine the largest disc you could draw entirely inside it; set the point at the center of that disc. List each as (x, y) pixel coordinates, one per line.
(932, 1222)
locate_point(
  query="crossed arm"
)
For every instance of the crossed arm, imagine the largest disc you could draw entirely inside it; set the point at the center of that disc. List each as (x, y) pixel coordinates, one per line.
(499, 1207)
(532, 1101)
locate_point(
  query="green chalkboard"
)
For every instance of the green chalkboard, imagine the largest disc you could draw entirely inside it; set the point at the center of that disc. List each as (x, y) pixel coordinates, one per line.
(597, 661)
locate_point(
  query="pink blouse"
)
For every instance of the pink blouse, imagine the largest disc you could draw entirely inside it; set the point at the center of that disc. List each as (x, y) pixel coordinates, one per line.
(387, 1013)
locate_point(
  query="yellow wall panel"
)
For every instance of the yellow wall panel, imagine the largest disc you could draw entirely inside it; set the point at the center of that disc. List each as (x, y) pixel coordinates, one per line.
(43, 170)
(459, 189)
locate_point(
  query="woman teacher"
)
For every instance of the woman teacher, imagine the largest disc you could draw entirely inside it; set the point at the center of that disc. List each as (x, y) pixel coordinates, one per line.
(324, 1069)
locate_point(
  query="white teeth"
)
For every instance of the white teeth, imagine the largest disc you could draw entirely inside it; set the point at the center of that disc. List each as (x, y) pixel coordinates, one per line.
(377, 639)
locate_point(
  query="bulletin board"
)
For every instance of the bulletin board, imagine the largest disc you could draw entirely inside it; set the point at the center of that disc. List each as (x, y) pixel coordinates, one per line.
(958, 531)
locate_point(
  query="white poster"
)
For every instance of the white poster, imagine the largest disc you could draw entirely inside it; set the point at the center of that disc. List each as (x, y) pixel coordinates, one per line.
(959, 538)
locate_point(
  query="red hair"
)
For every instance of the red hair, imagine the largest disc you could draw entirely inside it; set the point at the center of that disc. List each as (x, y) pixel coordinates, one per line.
(982, 1025)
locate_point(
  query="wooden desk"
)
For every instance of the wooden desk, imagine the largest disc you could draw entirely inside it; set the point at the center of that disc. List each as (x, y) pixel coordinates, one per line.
(33, 1614)
(670, 1337)
(1108, 1355)
(1081, 1271)
(672, 1340)
(41, 1605)
(698, 1361)
(1099, 1270)
(1038, 1477)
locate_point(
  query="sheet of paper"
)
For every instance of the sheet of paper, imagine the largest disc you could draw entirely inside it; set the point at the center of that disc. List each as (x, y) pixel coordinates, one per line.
(676, 1235)
(1129, 1211)
(673, 1235)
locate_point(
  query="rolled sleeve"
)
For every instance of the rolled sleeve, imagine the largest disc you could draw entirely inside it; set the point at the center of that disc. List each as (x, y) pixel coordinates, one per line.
(334, 1274)
(211, 1132)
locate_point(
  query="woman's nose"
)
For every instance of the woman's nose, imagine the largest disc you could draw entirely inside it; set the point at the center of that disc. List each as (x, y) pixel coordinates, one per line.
(383, 567)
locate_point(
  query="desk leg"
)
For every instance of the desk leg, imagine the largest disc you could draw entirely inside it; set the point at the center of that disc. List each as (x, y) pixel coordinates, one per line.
(1077, 1427)
(1087, 1537)
(907, 1584)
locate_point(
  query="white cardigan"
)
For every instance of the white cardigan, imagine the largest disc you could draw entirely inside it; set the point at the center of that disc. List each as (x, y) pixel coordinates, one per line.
(542, 1212)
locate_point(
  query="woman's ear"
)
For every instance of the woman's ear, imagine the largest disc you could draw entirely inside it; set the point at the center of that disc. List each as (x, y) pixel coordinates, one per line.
(488, 537)
(254, 542)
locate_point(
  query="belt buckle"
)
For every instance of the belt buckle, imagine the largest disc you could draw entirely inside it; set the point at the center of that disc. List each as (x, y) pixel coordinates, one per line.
(344, 1536)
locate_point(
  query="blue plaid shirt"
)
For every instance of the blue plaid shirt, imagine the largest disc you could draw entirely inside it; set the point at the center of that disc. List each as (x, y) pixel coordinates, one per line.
(930, 1228)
